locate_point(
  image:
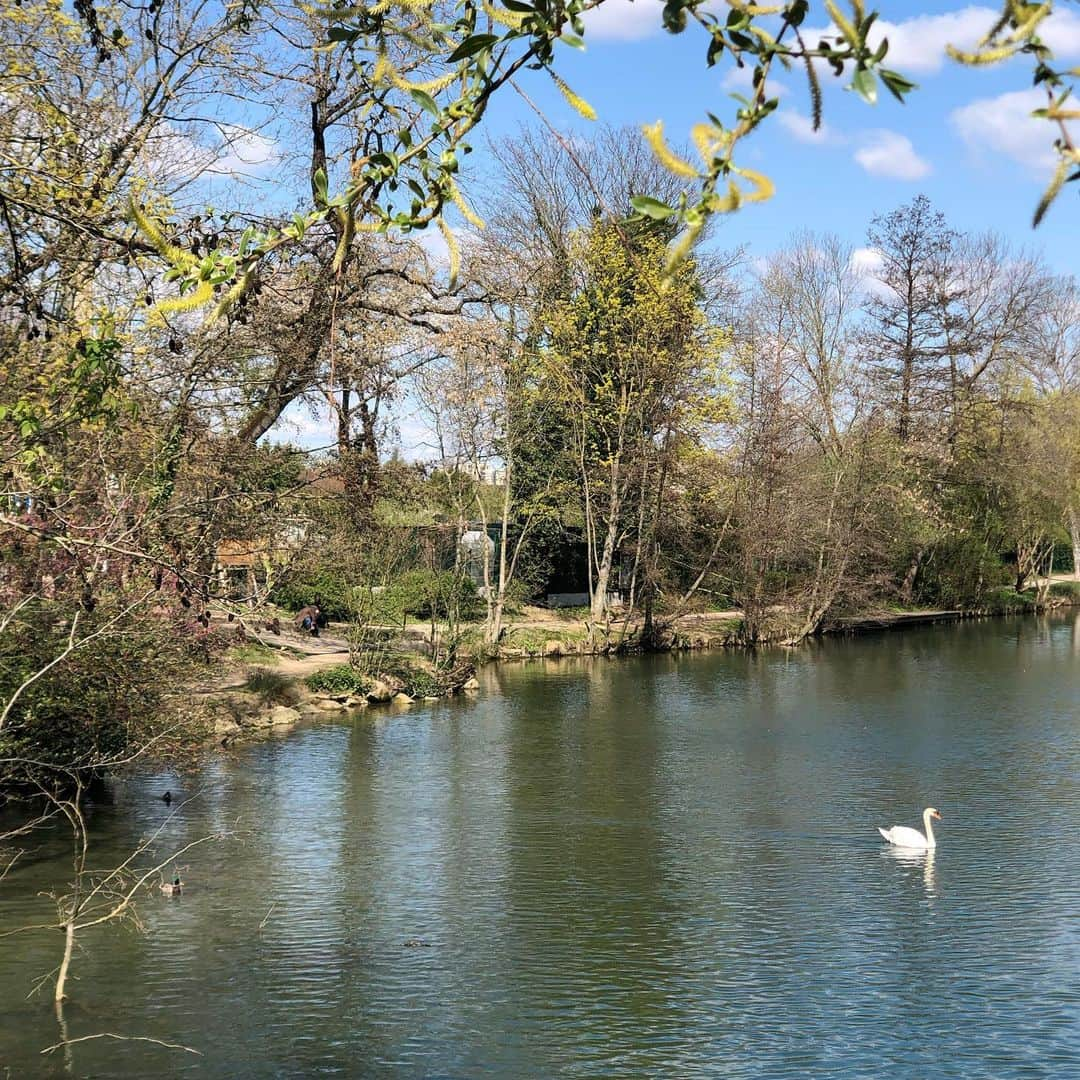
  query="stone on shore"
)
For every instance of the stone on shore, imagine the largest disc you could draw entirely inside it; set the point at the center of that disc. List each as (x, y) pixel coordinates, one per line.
(281, 715)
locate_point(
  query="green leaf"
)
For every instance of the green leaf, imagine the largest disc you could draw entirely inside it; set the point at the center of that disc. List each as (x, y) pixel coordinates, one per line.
(653, 208)
(865, 85)
(342, 33)
(896, 84)
(425, 101)
(471, 46)
(319, 186)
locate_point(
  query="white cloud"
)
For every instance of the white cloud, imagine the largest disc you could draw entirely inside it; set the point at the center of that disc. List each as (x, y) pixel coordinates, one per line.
(865, 264)
(307, 424)
(890, 154)
(1061, 32)
(801, 128)
(865, 261)
(174, 155)
(917, 45)
(244, 153)
(1004, 124)
(624, 20)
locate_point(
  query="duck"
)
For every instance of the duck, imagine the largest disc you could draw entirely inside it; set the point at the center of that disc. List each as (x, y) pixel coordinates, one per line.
(166, 798)
(903, 836)
(174, 887)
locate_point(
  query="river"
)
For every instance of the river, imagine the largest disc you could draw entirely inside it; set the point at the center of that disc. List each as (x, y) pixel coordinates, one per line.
(655, 867)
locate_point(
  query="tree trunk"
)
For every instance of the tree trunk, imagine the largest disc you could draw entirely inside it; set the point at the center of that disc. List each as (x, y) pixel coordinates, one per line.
(69, 946)
(603, 576)
(907, 586)
(1073, 516)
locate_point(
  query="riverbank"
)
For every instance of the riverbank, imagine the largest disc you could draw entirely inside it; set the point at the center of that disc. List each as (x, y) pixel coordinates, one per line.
(280, 677)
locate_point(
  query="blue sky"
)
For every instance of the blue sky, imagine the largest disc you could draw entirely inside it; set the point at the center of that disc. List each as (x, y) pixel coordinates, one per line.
(964, 138)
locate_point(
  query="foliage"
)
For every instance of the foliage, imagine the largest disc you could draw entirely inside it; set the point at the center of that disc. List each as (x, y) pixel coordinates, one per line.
(322, 585)
(103, 701)
(426, 594)
(341, 679)
(1007, 601)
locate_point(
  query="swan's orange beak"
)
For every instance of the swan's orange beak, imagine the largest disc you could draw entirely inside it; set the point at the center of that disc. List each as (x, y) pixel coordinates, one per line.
(935, 814)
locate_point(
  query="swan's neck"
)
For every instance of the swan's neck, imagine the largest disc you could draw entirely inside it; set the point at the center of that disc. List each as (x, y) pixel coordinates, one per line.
(930, 841)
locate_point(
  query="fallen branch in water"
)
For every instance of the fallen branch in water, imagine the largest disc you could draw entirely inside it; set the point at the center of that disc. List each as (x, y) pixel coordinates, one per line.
(122, 1038)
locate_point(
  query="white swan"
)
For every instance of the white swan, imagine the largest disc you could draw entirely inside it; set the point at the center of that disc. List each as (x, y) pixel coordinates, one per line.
(902, 836)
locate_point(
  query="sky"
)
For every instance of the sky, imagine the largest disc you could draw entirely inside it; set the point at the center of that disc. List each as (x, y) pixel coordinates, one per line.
(964, 137)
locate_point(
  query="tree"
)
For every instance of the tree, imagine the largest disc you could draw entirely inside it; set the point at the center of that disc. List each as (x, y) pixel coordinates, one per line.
(635, 367)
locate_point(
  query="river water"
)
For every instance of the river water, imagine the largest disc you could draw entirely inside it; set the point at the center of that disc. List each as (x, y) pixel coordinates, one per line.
(650, 867)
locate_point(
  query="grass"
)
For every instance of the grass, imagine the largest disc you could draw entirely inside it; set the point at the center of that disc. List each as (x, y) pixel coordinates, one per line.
(1068, 589)
(254, 652)
(271, 687)
(534, 638)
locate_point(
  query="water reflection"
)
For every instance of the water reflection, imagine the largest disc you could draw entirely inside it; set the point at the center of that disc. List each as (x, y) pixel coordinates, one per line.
(915, 859)
(664, 866)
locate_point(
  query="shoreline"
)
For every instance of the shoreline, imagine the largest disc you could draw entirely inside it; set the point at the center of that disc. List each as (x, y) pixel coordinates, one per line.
(272, 693)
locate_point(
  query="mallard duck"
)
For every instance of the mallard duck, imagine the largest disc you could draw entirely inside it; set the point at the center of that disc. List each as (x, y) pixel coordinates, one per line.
(166, 798)
(174, 887)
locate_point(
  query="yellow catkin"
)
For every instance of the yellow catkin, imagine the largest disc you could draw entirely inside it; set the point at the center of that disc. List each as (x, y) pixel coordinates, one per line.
(452, 250)
(466, 211)
(726, 204)
(654, 136)
(150, 229)
(985, 56)
(1028, 17)
(764, 188)
(430, 86)
(512, 19)
(235, 294)
(202, 294)
(579, 104)
(843, 24)
(384, 71)
(678, 252)
(705, 138)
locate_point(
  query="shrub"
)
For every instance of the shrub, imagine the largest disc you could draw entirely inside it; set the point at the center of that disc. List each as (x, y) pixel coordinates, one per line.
(426, 594)
(115, 693)
(336, 597)
(342, 679)
(1005, 601)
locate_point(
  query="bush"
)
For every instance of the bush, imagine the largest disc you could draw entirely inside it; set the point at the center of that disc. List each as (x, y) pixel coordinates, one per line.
(336, 597)
(342, 679)
(426, 594)
(106, 698)
(1006, 601)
